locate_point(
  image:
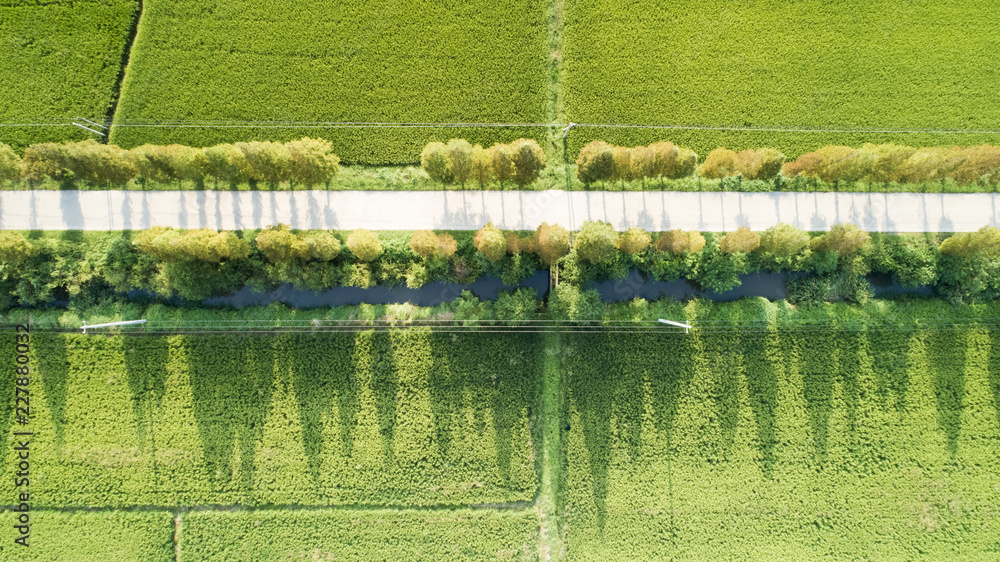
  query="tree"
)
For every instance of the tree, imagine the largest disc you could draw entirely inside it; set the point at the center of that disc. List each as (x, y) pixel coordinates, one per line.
(226, 163)
(14, 249)
(278, 244)
(742, 240)
(445, 246)
(529, 161)
(679, 242)
(551, 242)
(596, 241)
(502, 159)
(491, 242)
(928, 164)
(481, 167)
(719, 163)
(10, 164)
(761, 164)
(781, 244)
(206, 245)
(621, 164)
(595, 162)
(643, 162)
(985, 242)
(99, 163)
(267, 161)
(320, 245)
(889, 159)
(685, 164)
(313, 161)
(423, 243)
(665, 156)
(364, 244)
(979, 164)
(459, 159)
(634, 240)
(844, 239)
(434, 160)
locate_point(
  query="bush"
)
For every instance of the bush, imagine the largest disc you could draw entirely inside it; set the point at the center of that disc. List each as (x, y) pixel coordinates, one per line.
(14, 249)
(417, 275)
(679, 242)
(423, 243)
(595, 162)
(313, 161)
(685, 164)
(928, 164)
(742, 240)
(596, 241)
(665, 159)
(10, 164)
(551, 242)
(719, 163)
(491, 242)
(889, 160)
(980, 164)
(634, 240)
(364, 244)
(459, 153)
(528, 159)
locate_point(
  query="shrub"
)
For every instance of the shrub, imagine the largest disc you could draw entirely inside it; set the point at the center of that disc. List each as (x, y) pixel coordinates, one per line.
(502, 162)
(984, 242)
(491, 242)
(568, 302)
(762, 164)
(719, 163)
(313, 161)
(481, 167)
(528, 159)
(364, 244)
(643, 162)
(417, 275)
(551, 242)
(423, 243)
(742, 240)
(10, 164)
(634, 240)
(14, 248)
(459, 153)
(680, 242)
(596, 241)
(595, 162)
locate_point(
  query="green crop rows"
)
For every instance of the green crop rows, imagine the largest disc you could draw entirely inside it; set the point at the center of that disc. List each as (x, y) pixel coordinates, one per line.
(316, 61)
(101, 535)
(402, 419)
(360, 535)
(775, 64)
(781, 443)
(59, 61)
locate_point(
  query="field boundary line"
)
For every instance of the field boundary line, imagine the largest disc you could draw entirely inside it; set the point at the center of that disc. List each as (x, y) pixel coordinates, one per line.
(116, 94)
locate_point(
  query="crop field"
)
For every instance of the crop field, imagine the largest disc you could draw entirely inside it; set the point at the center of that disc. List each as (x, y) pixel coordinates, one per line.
(411, 419)
(360, 535)
(783, 443)
(59, 60)
(774, 64)
(316, 61)
(120, 535)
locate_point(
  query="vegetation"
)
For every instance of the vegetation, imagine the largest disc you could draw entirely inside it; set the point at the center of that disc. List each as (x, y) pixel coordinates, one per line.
(778, 65)
(97, 535)
(60, 61)
(311, 62)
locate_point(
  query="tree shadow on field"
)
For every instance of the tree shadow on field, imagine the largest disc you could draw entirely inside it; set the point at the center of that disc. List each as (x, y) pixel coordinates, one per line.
(52, 365)
(629, 373)
(760, 355)
(146, 374)
(445, 389)
(590, 383)
(322, 374)
(819, 353)
(385, 388)
(852, 344)
(946, 355)
(231, 381)
(890, 350)
(726, 361)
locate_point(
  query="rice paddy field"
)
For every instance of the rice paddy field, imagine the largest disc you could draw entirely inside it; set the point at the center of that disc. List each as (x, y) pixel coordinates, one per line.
(876, 436)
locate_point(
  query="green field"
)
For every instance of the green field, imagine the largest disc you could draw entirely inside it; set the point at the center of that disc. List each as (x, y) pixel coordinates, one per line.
(408, 419)
(384, 62)
(360, 535)
(767, 441)
(924, 64)
(59, 60)
(88, 536)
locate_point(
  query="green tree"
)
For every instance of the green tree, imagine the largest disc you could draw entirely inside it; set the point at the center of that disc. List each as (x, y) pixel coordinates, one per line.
(634, 240)
(10, 164)
(529, 161)
(665, 156)
(313, 161)
(596, 241)
(459, 160)
(595, 162)
(502, 160)
(225, 162)
(984, 242)
(621, 164)
(278, 244)
(782, 246)
(364, 244)
(481, 167)
(445, 246)
(423, 243)
(267, 161)
(742, 240)
(762, 164)
(14, 248)
(680, 242)
(844, 239)
(551, 242)
(320, 245)
(684, 165)
(719, 163)
(491, 242)
(434, 160)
